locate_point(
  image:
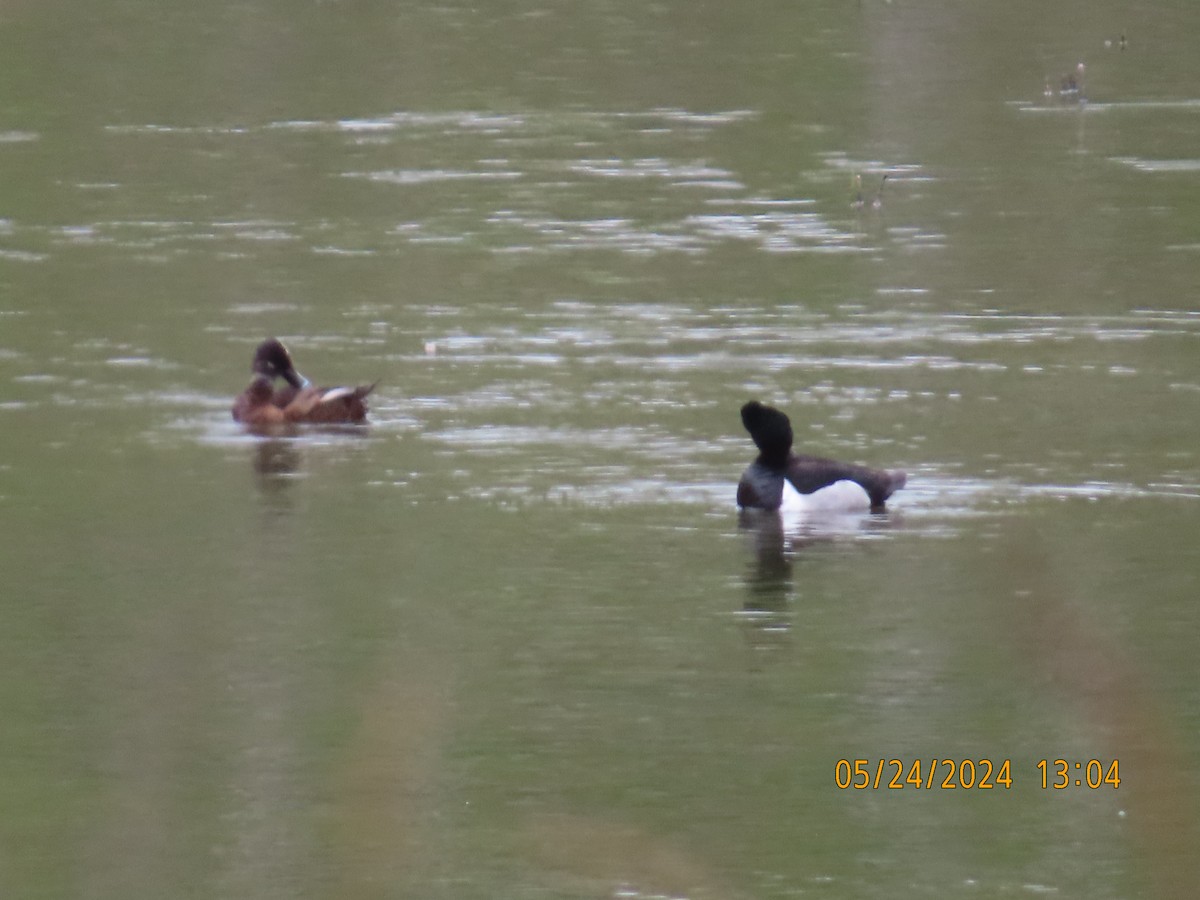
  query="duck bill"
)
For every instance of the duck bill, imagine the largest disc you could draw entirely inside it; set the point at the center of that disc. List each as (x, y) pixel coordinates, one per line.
(295, 379)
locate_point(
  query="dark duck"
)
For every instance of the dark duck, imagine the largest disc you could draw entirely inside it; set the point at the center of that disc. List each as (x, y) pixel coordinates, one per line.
(782, 480)
(295, 400)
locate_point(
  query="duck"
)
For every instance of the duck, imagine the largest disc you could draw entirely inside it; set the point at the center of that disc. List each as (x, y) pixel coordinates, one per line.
(1072, 83)
(860, 202)
(297, 400)
(877, 200)
(779, 479)
(857, 202)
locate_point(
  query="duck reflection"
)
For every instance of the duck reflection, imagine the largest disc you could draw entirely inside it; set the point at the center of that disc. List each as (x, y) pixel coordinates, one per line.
(276, 462)
(275, 459)
(769, 577)
(770, 585)
(279, 453)
(778, 540)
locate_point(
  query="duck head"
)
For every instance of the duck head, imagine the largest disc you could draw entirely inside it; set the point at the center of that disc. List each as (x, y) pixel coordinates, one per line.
(771, 431)
(273, 360)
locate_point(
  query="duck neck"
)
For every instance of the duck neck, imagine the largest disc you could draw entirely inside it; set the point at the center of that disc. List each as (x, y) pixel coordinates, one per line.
(776, 459)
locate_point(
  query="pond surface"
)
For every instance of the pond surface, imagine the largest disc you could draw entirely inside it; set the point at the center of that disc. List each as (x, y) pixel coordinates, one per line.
(513, 639)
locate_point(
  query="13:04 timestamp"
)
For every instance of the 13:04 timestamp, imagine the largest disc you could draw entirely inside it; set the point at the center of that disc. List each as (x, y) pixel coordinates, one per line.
(1064, 773)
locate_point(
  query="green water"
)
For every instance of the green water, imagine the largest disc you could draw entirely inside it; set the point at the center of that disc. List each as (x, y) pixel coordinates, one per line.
(513, 640)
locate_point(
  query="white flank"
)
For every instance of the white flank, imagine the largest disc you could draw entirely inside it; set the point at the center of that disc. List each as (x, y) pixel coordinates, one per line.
(841, 496)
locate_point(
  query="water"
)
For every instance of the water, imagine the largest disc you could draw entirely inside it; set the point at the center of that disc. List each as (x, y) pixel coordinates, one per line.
(513, 640)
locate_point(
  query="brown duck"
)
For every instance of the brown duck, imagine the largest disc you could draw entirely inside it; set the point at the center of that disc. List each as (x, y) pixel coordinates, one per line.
(296, 400)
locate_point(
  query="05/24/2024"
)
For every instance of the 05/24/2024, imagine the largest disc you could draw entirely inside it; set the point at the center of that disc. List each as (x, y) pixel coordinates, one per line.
(969, 774)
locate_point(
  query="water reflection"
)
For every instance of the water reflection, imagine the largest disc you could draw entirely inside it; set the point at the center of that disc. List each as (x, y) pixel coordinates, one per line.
(769, 586)
(276, 462)
(777, 540)
(278, 458)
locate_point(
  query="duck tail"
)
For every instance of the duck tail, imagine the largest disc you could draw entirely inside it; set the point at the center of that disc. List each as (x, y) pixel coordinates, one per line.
(885, 486)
